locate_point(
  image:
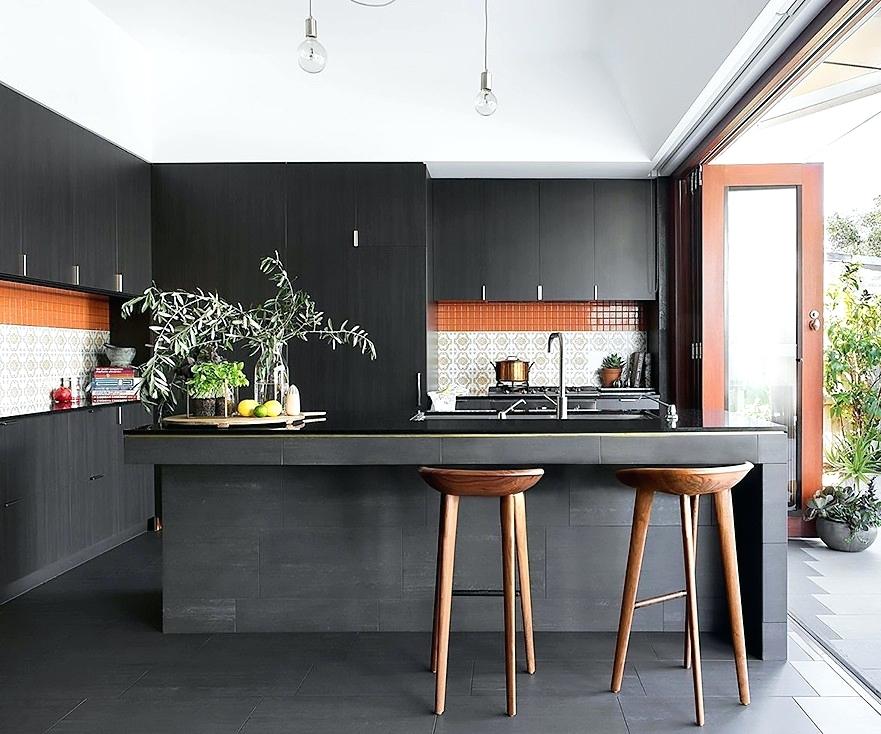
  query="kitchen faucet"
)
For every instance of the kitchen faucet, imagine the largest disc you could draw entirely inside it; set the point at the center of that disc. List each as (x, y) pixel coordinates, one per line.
(562, 400)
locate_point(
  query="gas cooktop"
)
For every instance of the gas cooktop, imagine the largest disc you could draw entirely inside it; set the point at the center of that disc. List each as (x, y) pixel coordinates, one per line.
(587, 390)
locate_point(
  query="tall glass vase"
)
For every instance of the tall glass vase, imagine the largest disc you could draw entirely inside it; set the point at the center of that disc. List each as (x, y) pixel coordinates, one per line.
(271, 376)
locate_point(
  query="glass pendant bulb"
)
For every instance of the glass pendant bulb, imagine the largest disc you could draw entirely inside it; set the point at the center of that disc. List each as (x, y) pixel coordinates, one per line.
(485, 102)
(311, 55)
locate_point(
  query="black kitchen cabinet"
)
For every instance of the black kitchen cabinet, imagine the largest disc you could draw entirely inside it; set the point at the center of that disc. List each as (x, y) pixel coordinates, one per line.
(133, 244)
(21, 497)
(458, 253)
(566, 240)
(135, 487)
(391, 204)
(94, 210)
(51, 436)
(511, 240)
(10, 189)
(47, 186)
(95, 475)
(625, 240)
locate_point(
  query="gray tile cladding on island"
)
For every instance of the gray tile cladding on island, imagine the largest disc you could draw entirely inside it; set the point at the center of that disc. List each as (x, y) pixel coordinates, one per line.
(353, 548)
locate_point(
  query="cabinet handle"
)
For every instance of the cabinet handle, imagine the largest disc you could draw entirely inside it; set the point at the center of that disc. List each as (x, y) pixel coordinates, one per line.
(119, 415)
(76, 274)
(538, 293)
(24, 263)
(596, 292)
(354, 238)
(95, 476)
(13, 502)
(483, 293)
(119, 282)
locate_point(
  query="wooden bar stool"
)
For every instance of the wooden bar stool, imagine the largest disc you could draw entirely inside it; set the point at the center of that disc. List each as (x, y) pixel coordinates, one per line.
(509, 485)
(689, 485)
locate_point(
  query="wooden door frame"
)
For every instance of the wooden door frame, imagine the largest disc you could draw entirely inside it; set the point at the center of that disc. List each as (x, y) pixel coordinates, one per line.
(807, 178)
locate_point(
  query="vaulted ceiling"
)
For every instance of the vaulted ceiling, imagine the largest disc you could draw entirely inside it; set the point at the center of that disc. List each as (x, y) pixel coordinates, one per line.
(585, 87)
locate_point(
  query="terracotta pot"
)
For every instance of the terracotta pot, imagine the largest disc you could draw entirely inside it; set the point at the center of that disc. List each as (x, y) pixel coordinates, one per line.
(608, 375)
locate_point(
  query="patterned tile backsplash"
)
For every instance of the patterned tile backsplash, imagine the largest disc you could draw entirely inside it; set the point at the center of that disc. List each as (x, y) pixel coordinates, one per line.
(33, 359)
(465, 358)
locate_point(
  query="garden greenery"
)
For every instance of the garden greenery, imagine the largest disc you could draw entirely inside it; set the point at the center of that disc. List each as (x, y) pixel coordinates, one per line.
(859, 510)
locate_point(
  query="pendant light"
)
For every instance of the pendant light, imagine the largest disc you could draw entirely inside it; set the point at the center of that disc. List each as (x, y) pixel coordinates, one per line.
(485, 102)
(311, 55)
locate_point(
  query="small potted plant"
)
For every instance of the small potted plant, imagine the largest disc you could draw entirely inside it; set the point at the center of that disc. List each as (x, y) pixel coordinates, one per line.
(847, 518)
(610, 370)
(210, 386)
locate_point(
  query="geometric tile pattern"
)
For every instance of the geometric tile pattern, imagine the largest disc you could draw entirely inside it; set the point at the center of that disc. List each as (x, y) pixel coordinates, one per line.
(33, 359)
(541, 316)
(34, 305)
(465, 358)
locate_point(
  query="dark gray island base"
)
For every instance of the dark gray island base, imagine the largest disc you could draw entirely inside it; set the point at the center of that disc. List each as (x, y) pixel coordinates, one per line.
(330, 528)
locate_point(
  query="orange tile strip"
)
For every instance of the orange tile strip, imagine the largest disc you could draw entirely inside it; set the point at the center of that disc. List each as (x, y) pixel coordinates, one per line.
(541, 316)
(33, 305)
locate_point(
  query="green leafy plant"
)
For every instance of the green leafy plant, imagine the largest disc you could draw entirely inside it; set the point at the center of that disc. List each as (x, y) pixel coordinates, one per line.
(613, 362)
(859, 510)
(192, 328)
(215, 379)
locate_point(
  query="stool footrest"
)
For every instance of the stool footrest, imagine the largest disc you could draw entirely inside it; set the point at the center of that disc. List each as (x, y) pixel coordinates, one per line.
(482, 592)
(658, 599)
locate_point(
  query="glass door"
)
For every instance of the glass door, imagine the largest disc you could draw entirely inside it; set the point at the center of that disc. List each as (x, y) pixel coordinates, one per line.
(762, 302)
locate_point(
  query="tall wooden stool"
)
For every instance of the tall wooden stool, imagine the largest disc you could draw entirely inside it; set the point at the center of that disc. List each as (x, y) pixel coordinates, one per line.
(509, 485)
(689, 485)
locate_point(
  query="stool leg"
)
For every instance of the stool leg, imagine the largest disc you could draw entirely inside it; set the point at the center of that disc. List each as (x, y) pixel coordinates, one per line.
(691, 605)
(525, 588)
(509, 562)
(694, 515)
(642, 513)
(725, 517)
(445, 599)
(437, 581)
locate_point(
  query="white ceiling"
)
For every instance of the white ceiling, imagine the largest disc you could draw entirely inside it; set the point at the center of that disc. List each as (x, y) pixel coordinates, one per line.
(585, 87)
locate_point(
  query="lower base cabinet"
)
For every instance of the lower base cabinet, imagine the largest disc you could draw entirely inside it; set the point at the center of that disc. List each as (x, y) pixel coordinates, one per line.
(66, 488)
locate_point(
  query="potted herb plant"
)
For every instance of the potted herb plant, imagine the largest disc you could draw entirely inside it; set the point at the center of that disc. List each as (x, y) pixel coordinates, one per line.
(610, 369)
(847, 518)
(204, 387)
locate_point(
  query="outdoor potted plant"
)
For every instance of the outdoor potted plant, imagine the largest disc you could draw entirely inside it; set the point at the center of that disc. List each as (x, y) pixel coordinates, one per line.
(847, 518)
(610, 370)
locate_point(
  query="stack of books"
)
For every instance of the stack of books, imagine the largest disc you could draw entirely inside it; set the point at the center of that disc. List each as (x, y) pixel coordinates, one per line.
(115, 384)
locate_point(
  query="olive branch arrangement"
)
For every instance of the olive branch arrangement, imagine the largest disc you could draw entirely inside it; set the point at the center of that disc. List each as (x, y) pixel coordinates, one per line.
(189, 327)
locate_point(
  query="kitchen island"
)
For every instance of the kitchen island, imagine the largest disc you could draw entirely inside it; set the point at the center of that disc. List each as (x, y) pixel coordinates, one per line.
(328, 527)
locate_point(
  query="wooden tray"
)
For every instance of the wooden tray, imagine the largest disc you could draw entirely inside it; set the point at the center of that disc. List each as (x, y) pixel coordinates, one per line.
(233, 421)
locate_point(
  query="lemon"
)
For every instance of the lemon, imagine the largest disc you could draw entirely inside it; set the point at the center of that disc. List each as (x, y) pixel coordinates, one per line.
(260, 411)
(273, 408)
(246, 407)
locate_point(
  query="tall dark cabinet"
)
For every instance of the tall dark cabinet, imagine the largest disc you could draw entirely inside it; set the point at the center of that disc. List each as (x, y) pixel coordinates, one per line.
(10, 188)
(511, 240)
(566, 240)
(459, 256)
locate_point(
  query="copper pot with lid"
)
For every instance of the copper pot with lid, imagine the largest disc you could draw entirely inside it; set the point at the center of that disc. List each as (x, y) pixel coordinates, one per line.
(512, 369)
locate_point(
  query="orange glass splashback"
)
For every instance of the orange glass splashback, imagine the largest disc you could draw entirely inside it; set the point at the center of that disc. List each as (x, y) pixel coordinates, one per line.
(33, 305)
(541, 316)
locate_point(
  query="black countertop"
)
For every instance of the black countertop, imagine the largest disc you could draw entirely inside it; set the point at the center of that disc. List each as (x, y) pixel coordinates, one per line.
(342, 424)
(47, 407)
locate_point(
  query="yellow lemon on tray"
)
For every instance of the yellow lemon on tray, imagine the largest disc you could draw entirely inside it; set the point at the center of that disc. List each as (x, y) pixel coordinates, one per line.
(260, 411)
(246, 408)
(273, 408)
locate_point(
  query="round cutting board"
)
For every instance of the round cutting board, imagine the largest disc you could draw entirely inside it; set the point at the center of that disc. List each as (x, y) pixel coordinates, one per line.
(233, 421)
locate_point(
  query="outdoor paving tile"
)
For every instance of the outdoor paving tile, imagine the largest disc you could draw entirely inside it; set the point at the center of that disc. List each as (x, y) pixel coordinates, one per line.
(763, 716)
(766, 678)
(114, 716)
(822, 678)
(597, 714)
(554, 678)
(854, 626)
(842, 585)
(864, 654)
(322, 715)
(841, 715)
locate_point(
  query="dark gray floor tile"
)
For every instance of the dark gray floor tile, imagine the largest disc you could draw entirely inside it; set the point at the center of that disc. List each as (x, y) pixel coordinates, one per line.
(24, 716)
(69, 678)
(553, 678)
(670, 646)
(592, 646)
(324, 715)
(598, 714)
(194, 716)
(766, 678)
(385, 677)
(762, 716)
(276, 648)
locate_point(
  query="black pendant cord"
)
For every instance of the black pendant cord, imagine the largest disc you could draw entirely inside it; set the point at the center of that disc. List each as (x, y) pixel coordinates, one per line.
(485, 32)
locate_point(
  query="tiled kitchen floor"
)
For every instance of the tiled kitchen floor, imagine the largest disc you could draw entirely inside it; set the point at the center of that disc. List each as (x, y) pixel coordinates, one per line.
(838, 597)
(83, 654)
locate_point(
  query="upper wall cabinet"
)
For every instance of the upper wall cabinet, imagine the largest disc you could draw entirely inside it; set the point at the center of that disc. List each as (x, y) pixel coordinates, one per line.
(625, 240)
(566, 241)
(133, 228)
(554, 240)
(390, 204)
(10, 189)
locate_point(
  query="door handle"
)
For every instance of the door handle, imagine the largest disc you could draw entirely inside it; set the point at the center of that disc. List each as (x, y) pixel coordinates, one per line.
(814, 320)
